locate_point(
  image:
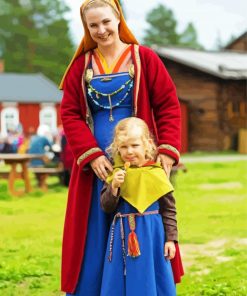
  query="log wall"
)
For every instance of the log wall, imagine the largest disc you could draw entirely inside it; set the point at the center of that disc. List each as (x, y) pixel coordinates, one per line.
(210, 127)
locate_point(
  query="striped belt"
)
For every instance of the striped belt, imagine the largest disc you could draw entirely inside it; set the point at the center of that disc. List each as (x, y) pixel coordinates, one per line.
(132, 235)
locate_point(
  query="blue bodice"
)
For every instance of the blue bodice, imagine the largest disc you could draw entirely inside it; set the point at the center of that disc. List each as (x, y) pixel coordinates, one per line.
(120, 88)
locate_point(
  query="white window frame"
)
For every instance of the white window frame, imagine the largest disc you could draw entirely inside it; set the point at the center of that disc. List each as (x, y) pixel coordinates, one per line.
(52, 113)
(15, 113)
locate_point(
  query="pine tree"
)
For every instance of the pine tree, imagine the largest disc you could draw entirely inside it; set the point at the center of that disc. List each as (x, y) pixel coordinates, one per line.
(162, 27)
(188, 38)
(163, 30)
(34, 37)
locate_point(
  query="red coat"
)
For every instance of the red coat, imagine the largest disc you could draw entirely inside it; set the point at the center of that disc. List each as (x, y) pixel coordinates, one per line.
(154, 98)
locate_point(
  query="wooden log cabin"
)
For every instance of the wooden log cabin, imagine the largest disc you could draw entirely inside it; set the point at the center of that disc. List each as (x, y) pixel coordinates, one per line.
(214, 86)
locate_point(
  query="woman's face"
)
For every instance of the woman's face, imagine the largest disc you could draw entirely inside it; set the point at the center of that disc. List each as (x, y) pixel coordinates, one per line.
(103, 25)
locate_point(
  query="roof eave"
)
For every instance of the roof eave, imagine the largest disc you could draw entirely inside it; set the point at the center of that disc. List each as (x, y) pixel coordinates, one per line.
(200, 68)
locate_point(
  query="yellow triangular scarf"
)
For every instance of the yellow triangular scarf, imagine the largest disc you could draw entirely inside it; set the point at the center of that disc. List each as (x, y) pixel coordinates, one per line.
(142, 185)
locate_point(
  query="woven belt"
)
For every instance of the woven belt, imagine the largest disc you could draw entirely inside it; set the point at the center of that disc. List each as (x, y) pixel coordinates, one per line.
(132, 225)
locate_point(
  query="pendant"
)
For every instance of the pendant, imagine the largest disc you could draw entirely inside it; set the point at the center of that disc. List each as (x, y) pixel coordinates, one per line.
(111, 118)
(106, 79)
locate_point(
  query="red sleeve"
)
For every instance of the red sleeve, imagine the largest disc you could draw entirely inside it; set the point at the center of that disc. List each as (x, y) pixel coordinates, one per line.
(165, 105)
(81, 140)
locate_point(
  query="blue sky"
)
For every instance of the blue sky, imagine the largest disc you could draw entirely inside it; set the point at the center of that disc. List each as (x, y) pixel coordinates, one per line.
(211, 18)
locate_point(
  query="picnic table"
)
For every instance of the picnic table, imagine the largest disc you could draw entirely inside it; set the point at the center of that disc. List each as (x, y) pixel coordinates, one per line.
(15, 159)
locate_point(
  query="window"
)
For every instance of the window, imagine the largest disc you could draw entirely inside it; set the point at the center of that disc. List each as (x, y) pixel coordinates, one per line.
(9, 119)
(243, 109)
(48, 116)
(237, 109)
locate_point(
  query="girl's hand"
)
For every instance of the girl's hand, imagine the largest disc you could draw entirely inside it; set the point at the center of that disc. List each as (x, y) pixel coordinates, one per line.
(166, 162)
(169, 250)
(100, 165)
(118, 179)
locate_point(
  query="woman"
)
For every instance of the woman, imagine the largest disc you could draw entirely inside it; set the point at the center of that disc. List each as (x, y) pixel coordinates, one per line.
(110, 78)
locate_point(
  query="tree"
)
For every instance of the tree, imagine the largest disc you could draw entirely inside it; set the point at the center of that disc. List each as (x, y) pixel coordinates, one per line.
(188, 38)
(163, 30)
(34, 37)
(162, 27)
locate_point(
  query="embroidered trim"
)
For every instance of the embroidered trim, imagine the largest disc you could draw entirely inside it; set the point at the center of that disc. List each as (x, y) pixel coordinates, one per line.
(89, 118)
(138, 76)
(169, 147)
(88, 153)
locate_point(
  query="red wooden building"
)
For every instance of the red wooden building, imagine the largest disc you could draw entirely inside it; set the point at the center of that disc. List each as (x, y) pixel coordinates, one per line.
(29, 100)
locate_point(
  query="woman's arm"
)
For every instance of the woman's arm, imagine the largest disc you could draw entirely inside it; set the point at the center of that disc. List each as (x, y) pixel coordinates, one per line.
(168, 213)
(165, 106)
(73, 112)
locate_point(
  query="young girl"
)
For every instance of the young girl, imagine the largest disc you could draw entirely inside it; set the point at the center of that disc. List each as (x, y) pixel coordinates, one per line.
(144, 228)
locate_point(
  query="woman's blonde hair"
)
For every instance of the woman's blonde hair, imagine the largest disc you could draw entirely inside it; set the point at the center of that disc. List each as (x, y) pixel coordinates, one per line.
(99, 3)
(132, 127)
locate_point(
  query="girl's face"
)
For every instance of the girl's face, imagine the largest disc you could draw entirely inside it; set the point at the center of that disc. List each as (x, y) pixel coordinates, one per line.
(102, 24)
(133, 151)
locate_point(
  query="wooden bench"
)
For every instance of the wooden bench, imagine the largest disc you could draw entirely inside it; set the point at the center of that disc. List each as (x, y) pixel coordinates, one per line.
(42, 173)
(4, 175)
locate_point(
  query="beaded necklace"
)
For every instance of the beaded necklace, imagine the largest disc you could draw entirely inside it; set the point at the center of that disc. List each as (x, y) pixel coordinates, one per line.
(91, 90)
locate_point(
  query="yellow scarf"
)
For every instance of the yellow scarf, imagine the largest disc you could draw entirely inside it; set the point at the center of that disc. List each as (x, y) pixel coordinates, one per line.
(142, 185)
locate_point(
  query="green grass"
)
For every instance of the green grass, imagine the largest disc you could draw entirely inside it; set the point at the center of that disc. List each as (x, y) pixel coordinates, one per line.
(30, 242)
(211, 202)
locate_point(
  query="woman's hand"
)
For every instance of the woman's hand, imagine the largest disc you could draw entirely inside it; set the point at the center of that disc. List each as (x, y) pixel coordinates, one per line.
(100, 165)
(118, 179)
(169, 250)
(166, 162)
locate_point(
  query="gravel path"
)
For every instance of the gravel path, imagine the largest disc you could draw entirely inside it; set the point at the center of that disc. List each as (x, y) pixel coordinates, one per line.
(214, 158)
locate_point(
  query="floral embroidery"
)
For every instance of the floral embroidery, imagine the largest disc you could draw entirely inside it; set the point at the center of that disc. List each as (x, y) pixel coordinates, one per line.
(138, 77)
(169, 147)
(88, 153)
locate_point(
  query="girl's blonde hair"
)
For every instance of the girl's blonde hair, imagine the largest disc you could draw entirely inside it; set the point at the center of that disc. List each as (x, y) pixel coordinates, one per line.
(132, 127)
(99, 3)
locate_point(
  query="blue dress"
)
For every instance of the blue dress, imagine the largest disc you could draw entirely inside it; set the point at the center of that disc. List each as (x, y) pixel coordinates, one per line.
(90, 279)
(149, 274)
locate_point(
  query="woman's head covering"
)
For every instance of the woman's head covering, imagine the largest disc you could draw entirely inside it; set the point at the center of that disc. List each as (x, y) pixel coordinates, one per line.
(87, 42)
(44, 131)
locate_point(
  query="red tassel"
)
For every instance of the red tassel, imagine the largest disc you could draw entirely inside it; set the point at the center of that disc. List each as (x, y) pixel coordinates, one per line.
(133, 245)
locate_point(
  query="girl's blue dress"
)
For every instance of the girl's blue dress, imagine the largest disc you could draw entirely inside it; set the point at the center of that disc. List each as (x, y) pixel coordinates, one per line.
(149, 274)
(89, 282)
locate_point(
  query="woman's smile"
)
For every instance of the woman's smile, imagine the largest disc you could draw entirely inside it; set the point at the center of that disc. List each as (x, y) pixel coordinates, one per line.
(102, 25)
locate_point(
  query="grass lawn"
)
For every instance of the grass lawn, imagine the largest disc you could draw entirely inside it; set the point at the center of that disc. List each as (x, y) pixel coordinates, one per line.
(211, 202)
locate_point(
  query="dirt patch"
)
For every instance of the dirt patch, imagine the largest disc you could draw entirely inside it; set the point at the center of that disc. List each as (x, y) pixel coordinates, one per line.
(230, 198)
(225, 185)
(212, 249)
(242, 241)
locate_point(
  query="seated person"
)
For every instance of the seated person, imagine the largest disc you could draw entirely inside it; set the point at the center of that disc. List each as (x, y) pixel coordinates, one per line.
(40, 144)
